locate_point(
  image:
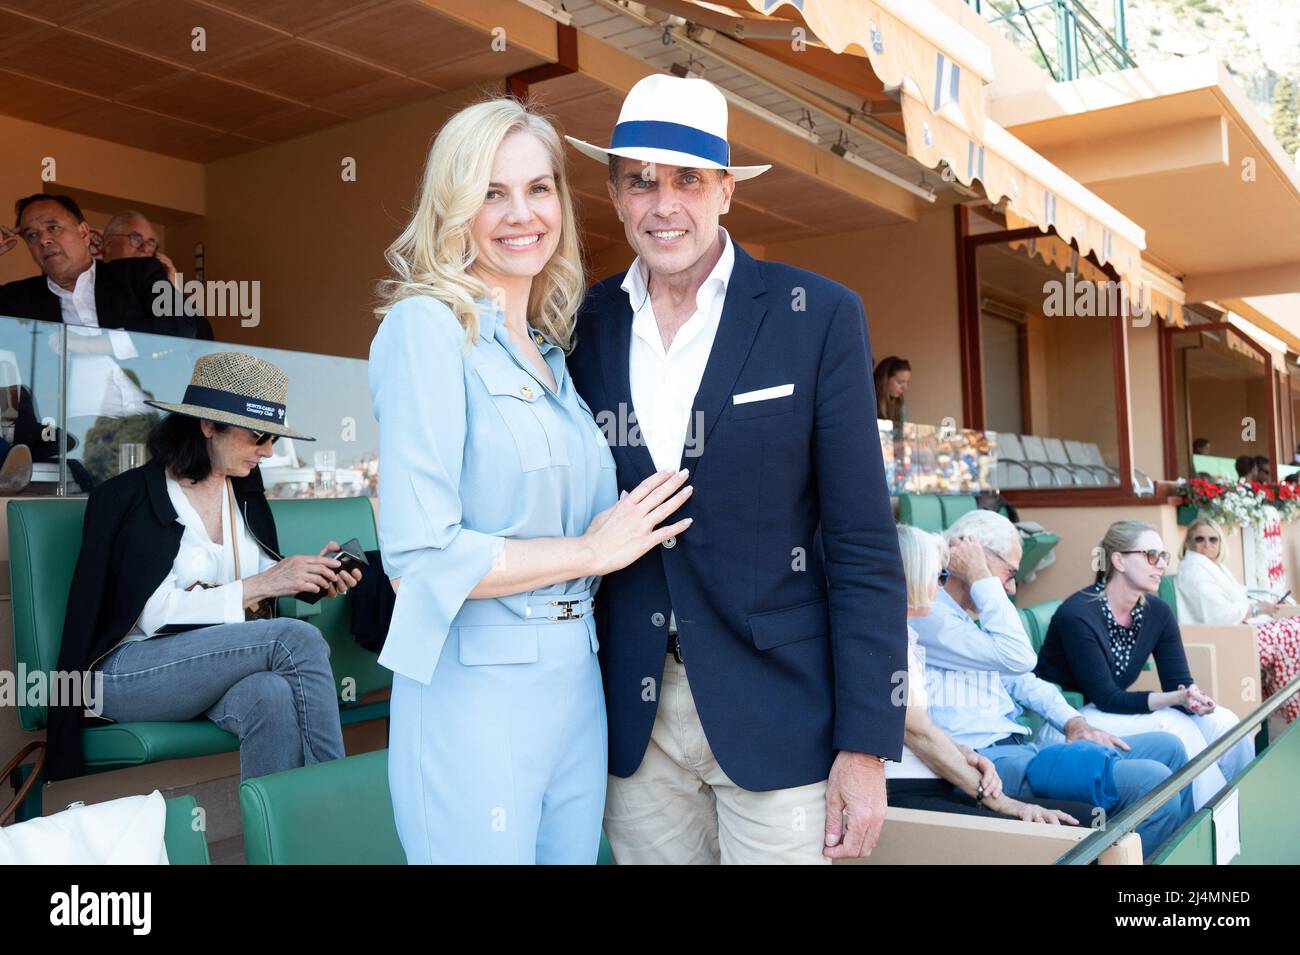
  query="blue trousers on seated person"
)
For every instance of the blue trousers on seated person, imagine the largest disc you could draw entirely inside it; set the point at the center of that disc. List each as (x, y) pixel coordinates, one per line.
(267, 681)
(1152, 758)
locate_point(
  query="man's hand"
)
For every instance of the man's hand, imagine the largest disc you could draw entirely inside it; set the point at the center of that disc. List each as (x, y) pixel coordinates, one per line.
(989, 777)
(966, 560)
(168, 265)
(1079, 728)
(8, 239)
(855, 806)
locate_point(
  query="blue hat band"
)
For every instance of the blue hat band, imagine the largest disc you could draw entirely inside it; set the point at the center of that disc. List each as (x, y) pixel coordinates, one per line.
(217, 400)
(655, 134)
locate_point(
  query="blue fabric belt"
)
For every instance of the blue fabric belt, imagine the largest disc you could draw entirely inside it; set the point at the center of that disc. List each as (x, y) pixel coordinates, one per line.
(535, 608)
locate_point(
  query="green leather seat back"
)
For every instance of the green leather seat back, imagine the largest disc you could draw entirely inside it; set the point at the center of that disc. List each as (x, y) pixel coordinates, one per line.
(44, 540)
(185, 844)
(1042, 617)
(954, 506)
(1169, 592)
(333, 813)
(306, 525)
(921, 510)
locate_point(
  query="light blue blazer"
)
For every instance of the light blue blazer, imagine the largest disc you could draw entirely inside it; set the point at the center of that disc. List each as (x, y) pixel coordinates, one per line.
(472, 450)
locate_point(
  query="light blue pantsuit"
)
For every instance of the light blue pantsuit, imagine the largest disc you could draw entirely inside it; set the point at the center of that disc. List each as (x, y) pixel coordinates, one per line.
(498, 738)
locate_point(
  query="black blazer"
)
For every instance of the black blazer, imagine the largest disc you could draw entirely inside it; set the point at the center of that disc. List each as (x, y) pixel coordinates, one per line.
(124, 296)
(130, 537)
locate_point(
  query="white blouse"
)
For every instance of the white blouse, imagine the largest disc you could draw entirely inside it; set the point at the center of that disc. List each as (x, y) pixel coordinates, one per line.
(199, 559)
(910, 766)
(1208, 593)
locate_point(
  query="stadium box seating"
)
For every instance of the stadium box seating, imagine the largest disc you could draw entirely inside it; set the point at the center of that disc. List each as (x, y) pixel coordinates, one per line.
(44, 540)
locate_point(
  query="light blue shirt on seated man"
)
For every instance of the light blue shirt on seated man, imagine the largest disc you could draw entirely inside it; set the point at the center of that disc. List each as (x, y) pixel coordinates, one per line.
(980, 674)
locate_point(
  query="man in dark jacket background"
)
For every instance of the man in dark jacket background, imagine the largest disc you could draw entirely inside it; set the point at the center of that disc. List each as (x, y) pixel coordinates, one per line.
(75, 289)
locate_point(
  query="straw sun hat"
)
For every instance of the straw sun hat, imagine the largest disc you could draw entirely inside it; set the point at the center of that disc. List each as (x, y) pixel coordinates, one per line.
(232, 387)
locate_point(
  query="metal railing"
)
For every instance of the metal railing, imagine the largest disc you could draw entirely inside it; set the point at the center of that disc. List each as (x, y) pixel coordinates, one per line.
(1064, 37)
(1090, 849)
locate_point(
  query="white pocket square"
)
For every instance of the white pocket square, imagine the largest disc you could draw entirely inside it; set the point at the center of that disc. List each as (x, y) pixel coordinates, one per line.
(763, 394)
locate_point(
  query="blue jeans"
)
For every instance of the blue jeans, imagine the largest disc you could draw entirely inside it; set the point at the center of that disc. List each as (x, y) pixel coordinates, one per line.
(1152, 758)
(267, 681)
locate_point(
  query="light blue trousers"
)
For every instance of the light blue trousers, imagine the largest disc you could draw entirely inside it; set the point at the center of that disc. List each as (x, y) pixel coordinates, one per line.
(502, 757)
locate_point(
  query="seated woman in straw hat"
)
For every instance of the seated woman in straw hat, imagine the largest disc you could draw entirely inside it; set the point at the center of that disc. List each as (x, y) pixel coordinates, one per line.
(179, 567)
(498, 507)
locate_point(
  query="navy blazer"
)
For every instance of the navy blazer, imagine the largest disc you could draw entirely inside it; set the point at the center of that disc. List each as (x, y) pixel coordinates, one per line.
(124, 297)
(788, 588)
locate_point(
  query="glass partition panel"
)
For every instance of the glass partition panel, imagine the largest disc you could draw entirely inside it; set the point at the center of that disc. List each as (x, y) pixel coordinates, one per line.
(939, 460)
(111, 374)
(29, 401)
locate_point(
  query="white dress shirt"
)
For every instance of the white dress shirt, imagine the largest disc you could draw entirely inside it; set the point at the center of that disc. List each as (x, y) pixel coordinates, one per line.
(664, 383)
(96, 385)
(199, 559)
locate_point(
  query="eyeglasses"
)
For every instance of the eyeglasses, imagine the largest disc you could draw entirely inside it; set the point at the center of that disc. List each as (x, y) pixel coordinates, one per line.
(262, 437)
(137, 241)
(1153, 557)
(1198, 539)
(943, 576)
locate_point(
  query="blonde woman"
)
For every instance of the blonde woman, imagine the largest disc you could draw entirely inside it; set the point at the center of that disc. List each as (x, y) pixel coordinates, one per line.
(935, 772)
(1209, 594)
(1102, 635)
(498, 509)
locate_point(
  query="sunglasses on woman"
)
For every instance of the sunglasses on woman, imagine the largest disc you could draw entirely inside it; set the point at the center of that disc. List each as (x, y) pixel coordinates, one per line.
(262, 437)
(1198, 539)
(1153, 556)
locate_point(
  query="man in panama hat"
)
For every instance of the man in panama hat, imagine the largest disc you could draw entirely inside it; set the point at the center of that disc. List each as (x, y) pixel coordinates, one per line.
(785, 601)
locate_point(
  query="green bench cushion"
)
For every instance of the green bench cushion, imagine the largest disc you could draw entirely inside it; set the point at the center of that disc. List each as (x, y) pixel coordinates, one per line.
(132, 744)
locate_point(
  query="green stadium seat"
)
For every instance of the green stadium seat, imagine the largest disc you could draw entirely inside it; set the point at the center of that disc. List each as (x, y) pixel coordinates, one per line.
(954, 506)
(44, 540)
(921, 510)
(334, 813)
(185, 844)
(1169, 592)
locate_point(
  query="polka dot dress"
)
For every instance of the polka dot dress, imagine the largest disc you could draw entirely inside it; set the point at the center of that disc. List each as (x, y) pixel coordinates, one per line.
(1122, 639)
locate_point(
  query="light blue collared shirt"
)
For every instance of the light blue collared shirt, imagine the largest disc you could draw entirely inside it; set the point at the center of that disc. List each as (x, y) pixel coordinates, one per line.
(978, 674)
(474, 448)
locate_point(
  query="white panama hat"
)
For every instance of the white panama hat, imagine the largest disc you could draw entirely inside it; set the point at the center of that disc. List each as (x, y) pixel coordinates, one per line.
(672, 121)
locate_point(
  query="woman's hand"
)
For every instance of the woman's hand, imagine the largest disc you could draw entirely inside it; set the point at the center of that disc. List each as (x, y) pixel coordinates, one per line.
(989, 777)
(302, 572)
(346, 579)
(620, 534)
(1196, 701)
(1052, 817)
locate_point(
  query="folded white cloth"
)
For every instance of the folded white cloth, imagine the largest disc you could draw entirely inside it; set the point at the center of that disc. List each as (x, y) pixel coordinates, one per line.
(127, 831)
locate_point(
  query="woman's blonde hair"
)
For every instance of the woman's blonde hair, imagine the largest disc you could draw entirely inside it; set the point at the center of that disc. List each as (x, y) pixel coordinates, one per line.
(1213, 525)
(1120, 536)
(924, 555)
(433, 254)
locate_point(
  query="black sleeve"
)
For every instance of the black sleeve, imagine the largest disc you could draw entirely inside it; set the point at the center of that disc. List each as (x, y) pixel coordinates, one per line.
(1169, 653)
(80, 624)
